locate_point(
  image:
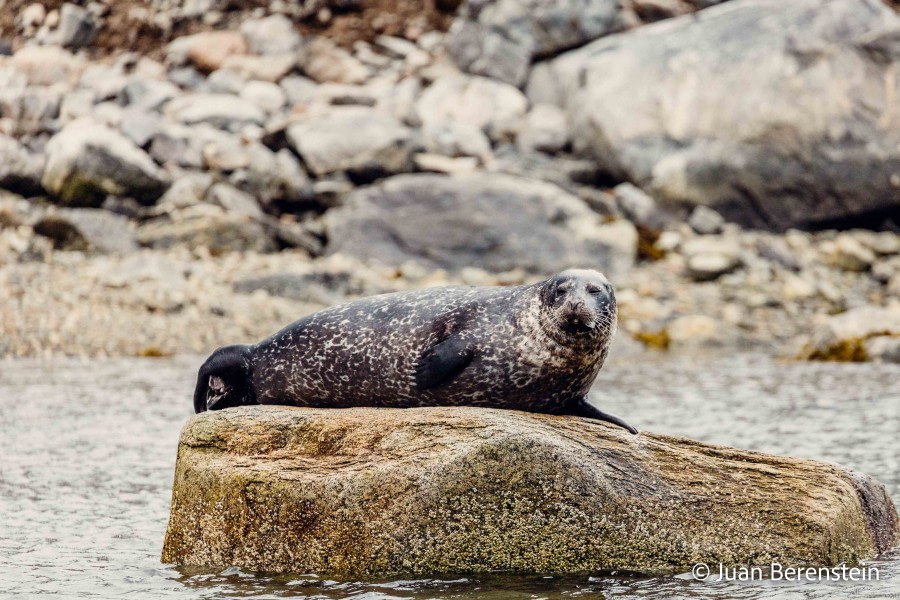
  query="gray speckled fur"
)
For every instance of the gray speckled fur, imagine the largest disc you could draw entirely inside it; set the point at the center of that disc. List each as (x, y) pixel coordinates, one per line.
(365, 353)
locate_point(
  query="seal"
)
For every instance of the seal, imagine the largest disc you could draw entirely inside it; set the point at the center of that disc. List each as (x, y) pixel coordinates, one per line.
(535, 348)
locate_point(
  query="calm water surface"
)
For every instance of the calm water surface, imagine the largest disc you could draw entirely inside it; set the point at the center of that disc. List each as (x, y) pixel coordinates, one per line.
(87, 451)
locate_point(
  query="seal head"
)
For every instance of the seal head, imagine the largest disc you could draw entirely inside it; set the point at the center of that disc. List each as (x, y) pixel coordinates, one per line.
(578, 308)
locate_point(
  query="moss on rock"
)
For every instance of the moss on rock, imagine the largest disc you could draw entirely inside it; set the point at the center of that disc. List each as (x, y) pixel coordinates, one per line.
(377, 492)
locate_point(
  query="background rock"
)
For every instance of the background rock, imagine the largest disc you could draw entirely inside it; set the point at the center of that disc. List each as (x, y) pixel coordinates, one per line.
(494, 107)
(203, 227)
(776, 115)
(20, 170)
(86, 161)
(843, 337)
(88, 229)
(496, 222)
(500, 38)
(351, 138)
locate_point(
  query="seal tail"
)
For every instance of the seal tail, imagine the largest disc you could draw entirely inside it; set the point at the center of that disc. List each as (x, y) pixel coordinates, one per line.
(224, 380)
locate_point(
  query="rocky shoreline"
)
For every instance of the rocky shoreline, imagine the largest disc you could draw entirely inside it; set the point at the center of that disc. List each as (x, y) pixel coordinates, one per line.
(248, 170)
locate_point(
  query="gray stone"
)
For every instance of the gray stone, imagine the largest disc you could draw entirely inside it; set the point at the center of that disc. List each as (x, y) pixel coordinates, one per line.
(20, 170)
(639, 207)
(493, 106)
(274, 34)
(323, 60)
(77, 26)
(500, 38)
(315, 287)
(484, 51)
(697, 330)
(272, 177)
(233, 200)
(33, 110)
(290, 234)
(710, 256)
(264, 94)
(225, 154)
(440, 163)
(47, 65)
(568, 173)
(802, 144)
(883, 348)
(87, 161)
(187, 190)
(270, 68)
(87, 229)
(886, 269)
(456, 138)
(148, 94)
(849, 254)
(884, 243)
(299, 90)
(843, 337)
(545, 128)
(224, 111)
(705, 220)
(139, 126)
(206, 227)
(225, 81)
(351, 138)
(188, 78)
(207, 50)
(491, 221)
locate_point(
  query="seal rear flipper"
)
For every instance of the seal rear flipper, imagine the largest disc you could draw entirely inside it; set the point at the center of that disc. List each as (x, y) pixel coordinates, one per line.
(224, 380)
(442, 362)
(583, 408)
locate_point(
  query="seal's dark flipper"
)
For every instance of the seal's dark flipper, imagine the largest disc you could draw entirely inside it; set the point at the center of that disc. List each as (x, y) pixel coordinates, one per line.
(585, 409)
(442, 362)
(224, 380)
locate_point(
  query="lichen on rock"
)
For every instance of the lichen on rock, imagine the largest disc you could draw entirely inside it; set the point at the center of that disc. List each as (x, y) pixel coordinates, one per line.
(375, 492)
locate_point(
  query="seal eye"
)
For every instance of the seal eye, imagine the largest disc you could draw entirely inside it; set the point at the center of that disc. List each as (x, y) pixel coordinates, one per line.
(559, 292)
(594, 290)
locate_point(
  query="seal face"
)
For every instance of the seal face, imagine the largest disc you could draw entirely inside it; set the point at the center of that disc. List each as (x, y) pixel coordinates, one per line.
(535, 348)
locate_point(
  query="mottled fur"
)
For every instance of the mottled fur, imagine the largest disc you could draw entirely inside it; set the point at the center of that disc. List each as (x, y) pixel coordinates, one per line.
(535, 347)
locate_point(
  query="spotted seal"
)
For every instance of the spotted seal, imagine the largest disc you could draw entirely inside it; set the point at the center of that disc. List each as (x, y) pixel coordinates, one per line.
(535, 348)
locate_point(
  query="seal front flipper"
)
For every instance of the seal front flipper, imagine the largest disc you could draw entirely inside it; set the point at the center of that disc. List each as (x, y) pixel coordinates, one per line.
(442, 362)
(583, 408)
(224, 380)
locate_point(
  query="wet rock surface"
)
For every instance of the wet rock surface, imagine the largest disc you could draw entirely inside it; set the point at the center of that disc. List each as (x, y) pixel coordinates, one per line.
(377, 492)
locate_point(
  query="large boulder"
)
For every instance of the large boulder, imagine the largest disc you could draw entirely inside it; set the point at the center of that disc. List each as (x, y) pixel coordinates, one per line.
(87, 161)
(776, 114)
(373, 492)
(493, 221)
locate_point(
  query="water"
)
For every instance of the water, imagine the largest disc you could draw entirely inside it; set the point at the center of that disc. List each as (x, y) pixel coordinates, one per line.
(87, 452)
